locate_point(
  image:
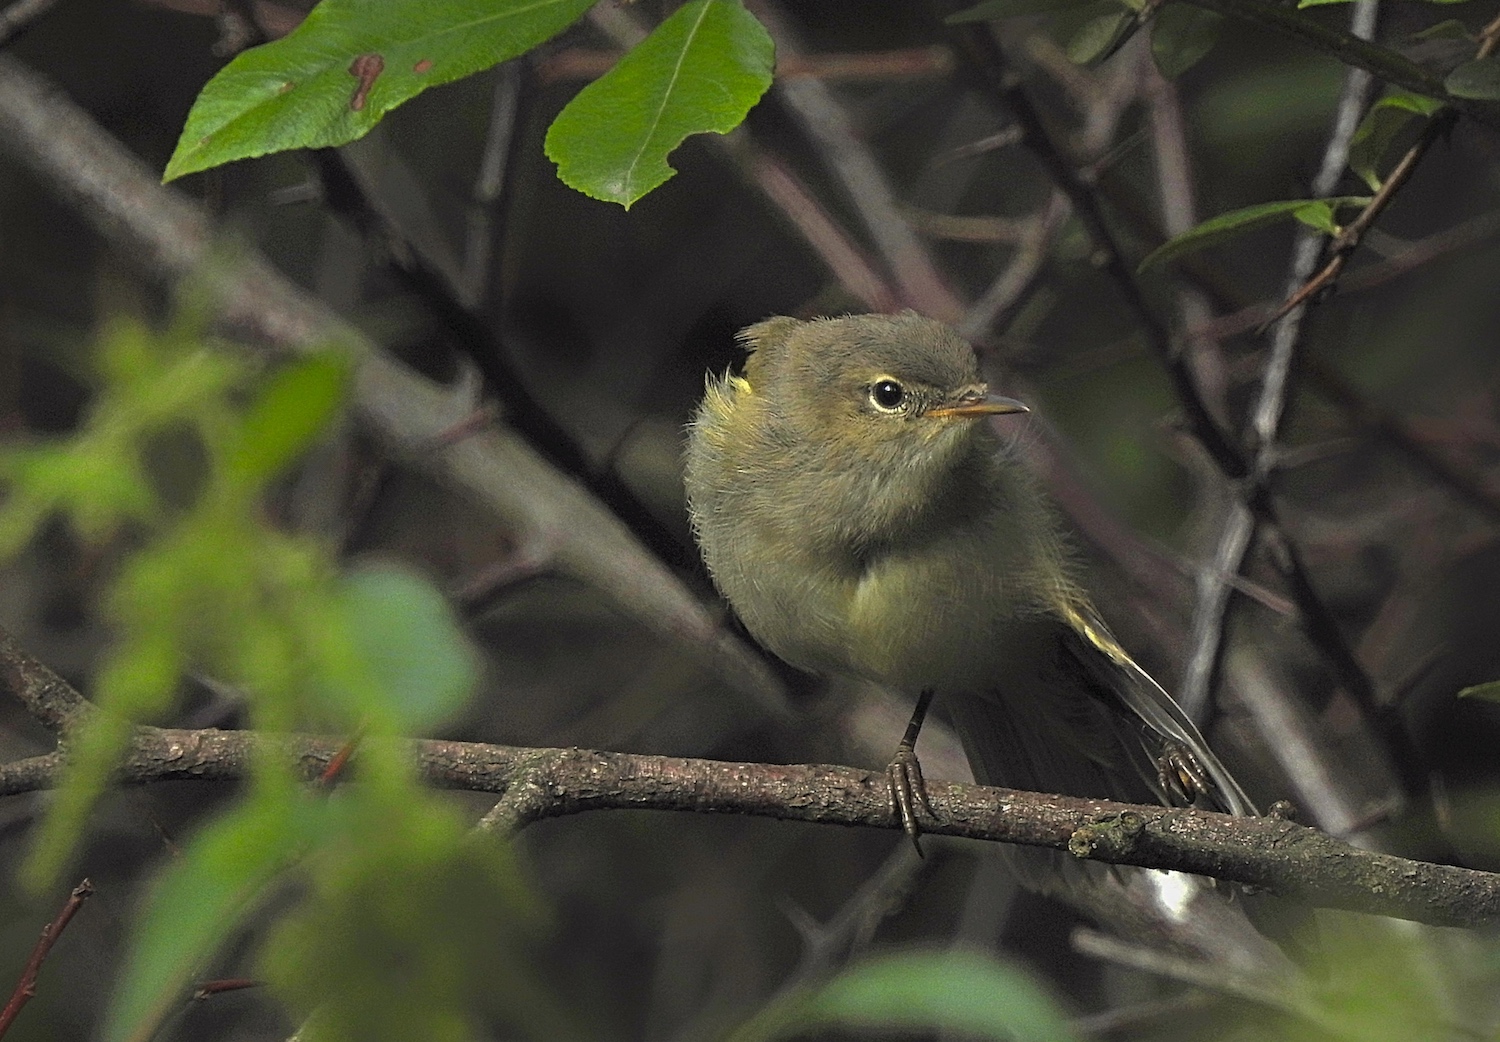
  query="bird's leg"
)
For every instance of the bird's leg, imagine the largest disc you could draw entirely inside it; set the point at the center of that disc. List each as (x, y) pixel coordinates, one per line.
(905, 775)
(1181, 775)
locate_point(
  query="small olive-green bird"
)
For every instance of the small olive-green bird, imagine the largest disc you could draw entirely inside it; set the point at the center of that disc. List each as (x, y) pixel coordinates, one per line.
(860, 514)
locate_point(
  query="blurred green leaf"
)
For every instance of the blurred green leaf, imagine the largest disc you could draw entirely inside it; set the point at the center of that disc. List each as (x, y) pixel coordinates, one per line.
(288, 413)
(920, 991)
(1226, 226)
(421, 664)
(992, 10)
(1317, 215)
(1488, 691)
(700, 70)
(1448, 29)
(1100, 37)
(334, 77)
(411, 925)
(1375, 133)
(1181, 36)
(199, 901)
(1476, 79)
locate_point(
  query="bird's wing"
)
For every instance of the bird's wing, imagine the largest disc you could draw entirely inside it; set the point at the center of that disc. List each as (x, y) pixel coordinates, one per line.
(1113, 669)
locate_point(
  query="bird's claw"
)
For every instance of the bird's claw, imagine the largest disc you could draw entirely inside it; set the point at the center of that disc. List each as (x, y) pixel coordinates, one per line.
(1181, 775)
(908, 792)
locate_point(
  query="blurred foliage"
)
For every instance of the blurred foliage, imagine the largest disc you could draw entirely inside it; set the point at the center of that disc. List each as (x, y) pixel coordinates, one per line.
(205, 583)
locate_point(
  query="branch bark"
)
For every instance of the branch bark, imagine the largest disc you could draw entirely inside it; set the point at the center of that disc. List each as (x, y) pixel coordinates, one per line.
(1267, 853)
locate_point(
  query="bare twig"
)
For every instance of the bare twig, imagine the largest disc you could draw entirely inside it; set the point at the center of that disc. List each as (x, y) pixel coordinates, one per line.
(855, 272)
(1239, 526)
(1349, 49)
(985, 60)
(1348, 239)
(919, 281)
(488, 184)
(26, 986)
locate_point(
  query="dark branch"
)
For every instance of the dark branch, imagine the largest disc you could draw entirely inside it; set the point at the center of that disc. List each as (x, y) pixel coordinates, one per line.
(1267, 853)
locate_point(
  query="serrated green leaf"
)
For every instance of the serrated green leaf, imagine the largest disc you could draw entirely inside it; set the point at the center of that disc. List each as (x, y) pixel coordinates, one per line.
(1380, 127)
(198, 903)
(421, 664)
(287, 415)
(700, 70)
(1181, 35)
(961, 992)
(1236, 222)
(992, 10)
(1476, 79)
(1488, 691)
(330, 80)
(1100, 37)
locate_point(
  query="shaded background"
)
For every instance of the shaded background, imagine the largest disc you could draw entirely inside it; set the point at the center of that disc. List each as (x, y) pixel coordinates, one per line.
(594, 328)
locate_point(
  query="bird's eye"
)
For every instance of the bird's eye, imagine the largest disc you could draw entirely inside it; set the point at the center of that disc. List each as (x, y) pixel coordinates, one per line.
(887, 395)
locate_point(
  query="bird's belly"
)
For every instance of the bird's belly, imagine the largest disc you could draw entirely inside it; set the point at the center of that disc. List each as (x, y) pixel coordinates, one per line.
(902, 622)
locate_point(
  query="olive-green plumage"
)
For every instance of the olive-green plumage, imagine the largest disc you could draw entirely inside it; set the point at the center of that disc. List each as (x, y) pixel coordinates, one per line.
(858, 511)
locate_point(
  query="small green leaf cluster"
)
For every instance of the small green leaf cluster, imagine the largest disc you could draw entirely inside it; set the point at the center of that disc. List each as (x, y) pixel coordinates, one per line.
(332, 79)
(404, 920)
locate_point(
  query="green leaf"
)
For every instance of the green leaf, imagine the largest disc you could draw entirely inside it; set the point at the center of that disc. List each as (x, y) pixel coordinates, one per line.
(1181, 35)
(701, 70)
(1476, 79)
(1100, 37)
(198, 903)
(991, 10)
(1317, 215)
(1448, 29)
(1380, 127)
(1236, 222)
(962, 992)
(350, 62)
(421, 664)
(288, 413)
(1489, 691)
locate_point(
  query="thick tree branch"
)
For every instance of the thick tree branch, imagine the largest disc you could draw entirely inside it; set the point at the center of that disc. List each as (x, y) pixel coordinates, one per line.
(1267, 853)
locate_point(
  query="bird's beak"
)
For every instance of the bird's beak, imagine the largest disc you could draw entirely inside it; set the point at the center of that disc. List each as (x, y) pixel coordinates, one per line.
(977, 401)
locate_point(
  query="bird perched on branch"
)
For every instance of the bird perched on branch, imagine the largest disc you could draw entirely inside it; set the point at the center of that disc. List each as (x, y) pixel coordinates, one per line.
(857, 509)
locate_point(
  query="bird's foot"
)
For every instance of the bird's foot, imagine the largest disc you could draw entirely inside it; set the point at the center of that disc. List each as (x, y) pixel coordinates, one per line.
(1182, 776)
(908, 792)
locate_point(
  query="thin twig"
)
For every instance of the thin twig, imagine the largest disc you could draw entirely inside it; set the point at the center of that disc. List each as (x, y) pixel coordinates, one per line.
(987, 63)
(499, 140)
(1238, 529)
(26, 986)
(1349, 49)
(916, 274)
(1348, 239)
